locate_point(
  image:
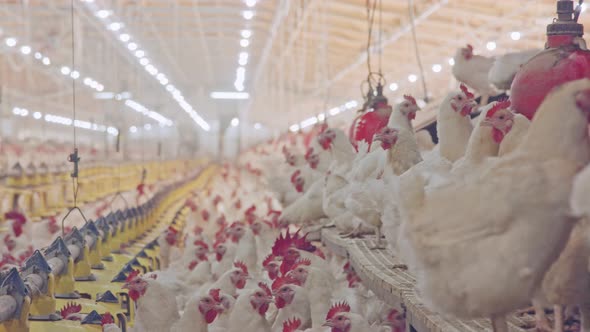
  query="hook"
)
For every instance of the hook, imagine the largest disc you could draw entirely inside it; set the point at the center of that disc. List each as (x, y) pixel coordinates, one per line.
(66, 216)
(73, 158)
(118, 194)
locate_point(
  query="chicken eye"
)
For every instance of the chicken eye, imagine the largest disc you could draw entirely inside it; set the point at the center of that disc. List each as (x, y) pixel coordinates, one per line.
(501, 117)
(459, 97)
(340, 318)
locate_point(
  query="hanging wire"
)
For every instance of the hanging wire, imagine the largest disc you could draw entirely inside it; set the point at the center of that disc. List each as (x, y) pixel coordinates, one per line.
(73, 158)
(417, 51)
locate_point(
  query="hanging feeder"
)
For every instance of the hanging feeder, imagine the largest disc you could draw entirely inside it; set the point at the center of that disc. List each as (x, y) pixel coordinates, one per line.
(564, 59)
(368, 124)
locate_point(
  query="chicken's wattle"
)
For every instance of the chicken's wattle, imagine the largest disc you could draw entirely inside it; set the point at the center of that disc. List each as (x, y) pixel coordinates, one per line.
(564, 59)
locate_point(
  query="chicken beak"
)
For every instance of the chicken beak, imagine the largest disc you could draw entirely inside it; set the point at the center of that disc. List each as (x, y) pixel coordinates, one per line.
(328, 323)
(125, 286)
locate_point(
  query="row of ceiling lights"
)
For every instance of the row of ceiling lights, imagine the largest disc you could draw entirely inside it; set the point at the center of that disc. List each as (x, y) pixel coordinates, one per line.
(62, 120)
(117, 28)
(244, 43)
(74, 74)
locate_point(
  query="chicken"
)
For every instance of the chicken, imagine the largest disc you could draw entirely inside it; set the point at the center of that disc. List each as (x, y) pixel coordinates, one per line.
(453, 125)
(337, 143)
(473, 71)
(222, 321)
(292, 301)
(156, 308)
(459, 255)
(200, 268)
(167, 242)
(199, 312)
(231, 280)
(506, 66)
(306, 208)
(250, 309)
(340, 318)
(580, 193)
(246, 245)
(319, 287)
(108, 323)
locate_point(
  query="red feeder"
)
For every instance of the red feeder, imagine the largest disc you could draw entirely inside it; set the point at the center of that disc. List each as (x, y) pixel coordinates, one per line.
(368, 124)
(564, 59)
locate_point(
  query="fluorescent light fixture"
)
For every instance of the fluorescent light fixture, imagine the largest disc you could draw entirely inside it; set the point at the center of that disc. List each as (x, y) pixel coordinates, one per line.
(243, 61)
(103, 13)
(169, 87)
(351, 104)
(321, 117)
(124, 37)
(133, 129)
(75, 74)
(144, 61)
(393, 86)
(132, 46)
(46, 61)
(294, 128)
(257, 126)
(308, 122)
(515, 35)
(161, 76)
(244, 42)
(239, 86)
(147, 126)
(451, 61)
(139, 53)
(421, 103)
(37, 115)
(246, 33)
(104, 95)
(250, 3)
(235, 122)
(334, 111)
(412, 78)
(65, 70)
(229, 95)
(25, 49)
(10, 42)
(436, 68)
(491, 45)
(248, 14)
(115, 26)
(99, 87)
(38, 56)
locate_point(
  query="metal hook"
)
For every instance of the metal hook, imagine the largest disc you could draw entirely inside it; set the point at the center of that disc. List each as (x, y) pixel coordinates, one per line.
(66, 216)
(118, 194)
(73, 158)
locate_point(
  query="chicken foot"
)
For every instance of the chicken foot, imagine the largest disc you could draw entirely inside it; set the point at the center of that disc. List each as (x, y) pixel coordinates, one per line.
(379, 245)
(559, 319)
(356, 232)
(541, 322)
(585, 317)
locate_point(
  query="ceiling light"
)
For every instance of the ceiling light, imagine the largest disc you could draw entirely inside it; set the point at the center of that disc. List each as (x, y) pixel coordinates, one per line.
(515, 35)
(139, 53)
(451, 61)
(99, 87)
(24, 112)
(10, 42)
(16, 111)
(144, 61)
(246, 33)
(132, 46)
(294, 128)
(25, 49)
(37, 115)
(124, 37)
(351, 104)
(257, 125)
(75, 74)
(250, 3)
(235, 122)
(115, 26)
(46, 61)
(169, 87)
(412, 78)
(147, 126)
(243, 61)
(229, 95)
(161, 76)
(164, 81)
(65, 70)
(244, 42)
(103, 13)
(104, 95)
(393, 86)
(321, 117)
(491, 46)
(38, 56)
(239, 86)
(436, 68)
(421, 103)
(133, 129)
(248, 14)
(87, 81)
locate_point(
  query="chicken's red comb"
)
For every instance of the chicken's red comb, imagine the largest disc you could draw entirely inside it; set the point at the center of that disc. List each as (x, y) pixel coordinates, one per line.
(198, 230)
(337, 308)
(52, 220)
(470, 47)
(410, 99)
(134, 274)
(295, 175)
(282, 281)
(16, 216)
(205, 215)
(500, 105)
(107, 318)
(172, 230)
(214, 293)
(202, 244)
(250, 210)
(242, 266)
(291, 325)
(282, 243)
(70, 308)
(265, 288)
(277, 212)
(466, 91)
(302, 262)
(267, 260)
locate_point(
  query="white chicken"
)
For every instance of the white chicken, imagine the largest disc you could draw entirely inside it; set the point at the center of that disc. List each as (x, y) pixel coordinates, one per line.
(511, 214)
(250, 309)
(473, 71)
(506, 66)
